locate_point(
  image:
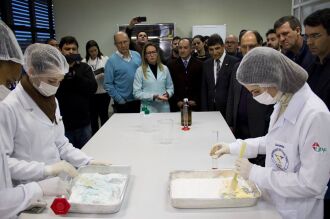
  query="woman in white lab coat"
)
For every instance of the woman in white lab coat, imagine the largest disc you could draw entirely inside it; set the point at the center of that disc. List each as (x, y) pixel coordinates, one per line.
(153, 83)
(14, 200)
(34, 131)
(297, 143)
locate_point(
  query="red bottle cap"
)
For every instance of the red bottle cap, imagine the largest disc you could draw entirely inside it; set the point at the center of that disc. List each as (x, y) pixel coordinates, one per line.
(60, 206)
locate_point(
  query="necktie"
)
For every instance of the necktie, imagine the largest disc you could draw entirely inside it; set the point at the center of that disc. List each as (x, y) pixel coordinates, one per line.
(218, 70)
(185, 63)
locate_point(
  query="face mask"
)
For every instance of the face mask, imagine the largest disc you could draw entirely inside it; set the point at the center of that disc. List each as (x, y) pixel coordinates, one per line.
(46, 89)
(4, 91)
(267, 99)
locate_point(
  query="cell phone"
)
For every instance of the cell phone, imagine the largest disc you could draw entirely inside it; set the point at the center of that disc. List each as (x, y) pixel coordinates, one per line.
(98, 71)
(141, 19)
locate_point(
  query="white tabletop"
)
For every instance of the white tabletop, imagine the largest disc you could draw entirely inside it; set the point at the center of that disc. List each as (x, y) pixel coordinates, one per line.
(122, 141)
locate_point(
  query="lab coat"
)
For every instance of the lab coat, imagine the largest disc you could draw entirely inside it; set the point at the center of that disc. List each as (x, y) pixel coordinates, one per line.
(14, 200)
(32, 141)
(297, 156)
(145, 88)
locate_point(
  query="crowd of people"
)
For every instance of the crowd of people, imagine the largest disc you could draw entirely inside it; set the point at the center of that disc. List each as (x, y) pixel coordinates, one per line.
(275, 95)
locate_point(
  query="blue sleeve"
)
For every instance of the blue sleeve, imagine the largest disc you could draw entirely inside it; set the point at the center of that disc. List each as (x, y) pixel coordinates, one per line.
(109, 84)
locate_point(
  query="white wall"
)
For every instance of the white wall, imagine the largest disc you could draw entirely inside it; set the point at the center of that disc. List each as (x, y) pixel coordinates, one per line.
(98, 19)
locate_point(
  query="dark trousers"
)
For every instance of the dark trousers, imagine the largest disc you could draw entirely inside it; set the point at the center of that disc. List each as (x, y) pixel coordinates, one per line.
(80, 136)
(99, 110)
(128, 107)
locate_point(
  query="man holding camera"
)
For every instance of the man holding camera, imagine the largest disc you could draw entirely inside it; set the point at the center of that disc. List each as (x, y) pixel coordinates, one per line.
(74, 94)
(141, 37)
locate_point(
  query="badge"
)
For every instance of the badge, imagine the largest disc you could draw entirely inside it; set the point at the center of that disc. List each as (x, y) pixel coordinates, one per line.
(280, 159)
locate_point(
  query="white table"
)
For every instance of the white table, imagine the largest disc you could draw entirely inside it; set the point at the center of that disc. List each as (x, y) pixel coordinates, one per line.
(122, 141)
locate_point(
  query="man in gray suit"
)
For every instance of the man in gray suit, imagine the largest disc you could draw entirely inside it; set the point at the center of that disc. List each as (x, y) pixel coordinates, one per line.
(246, 117)
(216, 76)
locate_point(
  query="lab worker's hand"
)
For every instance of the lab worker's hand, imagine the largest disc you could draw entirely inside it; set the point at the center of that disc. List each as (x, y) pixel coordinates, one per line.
(54, 187)
(100, 162)
(219, 149)
(243, 167)
(61, 167)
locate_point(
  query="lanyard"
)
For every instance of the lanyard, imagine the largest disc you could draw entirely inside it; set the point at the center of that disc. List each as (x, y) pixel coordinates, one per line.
(95, 66)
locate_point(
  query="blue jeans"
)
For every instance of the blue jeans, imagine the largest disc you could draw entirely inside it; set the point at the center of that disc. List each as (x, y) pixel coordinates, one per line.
(79, 137)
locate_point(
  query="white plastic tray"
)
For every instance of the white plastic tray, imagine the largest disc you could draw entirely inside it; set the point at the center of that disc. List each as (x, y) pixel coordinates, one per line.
(218, 202)
(101, 209)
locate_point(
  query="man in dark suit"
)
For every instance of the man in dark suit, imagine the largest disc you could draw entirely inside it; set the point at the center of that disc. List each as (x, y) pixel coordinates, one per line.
(186, 73)
(317, 32)
(216, 76)
(246, 117)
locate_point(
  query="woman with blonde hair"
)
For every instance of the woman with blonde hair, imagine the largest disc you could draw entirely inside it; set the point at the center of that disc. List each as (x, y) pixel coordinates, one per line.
(153, 83)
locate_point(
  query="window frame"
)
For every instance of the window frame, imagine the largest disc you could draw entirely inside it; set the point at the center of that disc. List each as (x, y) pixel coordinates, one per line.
(6, 13)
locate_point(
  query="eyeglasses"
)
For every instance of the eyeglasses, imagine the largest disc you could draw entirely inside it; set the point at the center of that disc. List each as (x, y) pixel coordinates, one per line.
(313, 36)
(151, 53)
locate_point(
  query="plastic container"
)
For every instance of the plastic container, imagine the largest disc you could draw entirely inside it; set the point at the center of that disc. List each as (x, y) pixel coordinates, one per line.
(215, 202)
(101, 209)
(145, 117)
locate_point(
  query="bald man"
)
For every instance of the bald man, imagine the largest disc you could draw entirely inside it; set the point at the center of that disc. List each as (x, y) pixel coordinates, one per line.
(231, 45)
(246, 117)
(119, 75)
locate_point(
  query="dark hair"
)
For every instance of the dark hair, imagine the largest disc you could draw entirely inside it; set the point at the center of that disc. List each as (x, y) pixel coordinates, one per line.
(293, 21)
(68, 40)
(190, 43)
(214, 39)
(270, 31)
(241, 33)
(49, 39)
(257, 35)
(176, 38)
(90, 44)
(319, 17)
(199, 37)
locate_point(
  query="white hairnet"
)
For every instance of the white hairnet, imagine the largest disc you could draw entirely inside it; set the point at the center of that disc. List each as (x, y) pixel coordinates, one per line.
(266, 66)
(44, 59)
(9, 48)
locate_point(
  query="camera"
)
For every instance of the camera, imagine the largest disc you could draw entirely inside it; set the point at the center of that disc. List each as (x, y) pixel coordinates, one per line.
(98, 71)
(141, 19)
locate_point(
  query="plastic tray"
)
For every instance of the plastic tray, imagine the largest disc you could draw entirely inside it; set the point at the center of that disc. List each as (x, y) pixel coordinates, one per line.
(103, 209)
(220, 202)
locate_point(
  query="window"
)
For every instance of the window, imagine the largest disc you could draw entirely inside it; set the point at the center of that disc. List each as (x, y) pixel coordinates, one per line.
(31, 20)
(302, 8)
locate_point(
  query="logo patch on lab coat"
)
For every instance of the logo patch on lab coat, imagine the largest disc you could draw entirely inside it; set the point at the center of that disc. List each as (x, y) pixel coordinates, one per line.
(316, 147)
(280, 159)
